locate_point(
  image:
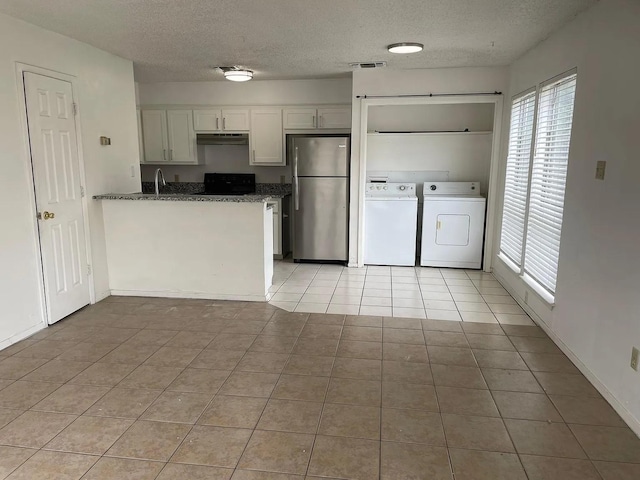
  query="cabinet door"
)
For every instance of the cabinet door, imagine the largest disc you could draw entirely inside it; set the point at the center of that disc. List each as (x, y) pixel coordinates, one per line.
(182, 138)
(207, 120)
(154, 135)
(334, 117)
(300, 118)
(266, 137)
(235, 119)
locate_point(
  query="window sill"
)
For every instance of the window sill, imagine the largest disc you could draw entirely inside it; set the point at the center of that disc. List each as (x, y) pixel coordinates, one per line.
(539, 292)
(512, 266)
(545, 296)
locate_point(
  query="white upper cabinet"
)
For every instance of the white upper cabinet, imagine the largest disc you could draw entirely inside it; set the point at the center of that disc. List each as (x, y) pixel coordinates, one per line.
(235, 119)
(302, 118)
(334, 117)
(154, 135)
(182, 138)
(207, 120)
(312, 118)
(221, 120)
(168, 137)
(265, 138)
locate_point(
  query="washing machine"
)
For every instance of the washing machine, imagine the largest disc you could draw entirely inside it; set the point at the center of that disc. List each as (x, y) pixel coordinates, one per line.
(453, 218)
(390, 224)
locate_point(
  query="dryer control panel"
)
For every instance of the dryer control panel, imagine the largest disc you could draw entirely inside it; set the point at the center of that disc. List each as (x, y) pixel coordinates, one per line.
(451, 188)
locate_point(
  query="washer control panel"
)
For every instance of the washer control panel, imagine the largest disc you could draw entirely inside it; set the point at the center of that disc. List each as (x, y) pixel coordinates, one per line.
(390, 190)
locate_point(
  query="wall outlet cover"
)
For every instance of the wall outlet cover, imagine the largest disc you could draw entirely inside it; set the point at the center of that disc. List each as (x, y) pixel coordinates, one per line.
(635, 353)
(601, 165)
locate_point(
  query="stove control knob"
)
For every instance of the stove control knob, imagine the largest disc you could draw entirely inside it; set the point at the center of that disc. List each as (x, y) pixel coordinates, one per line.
(432, 187)
(384, 188)
(402, 187)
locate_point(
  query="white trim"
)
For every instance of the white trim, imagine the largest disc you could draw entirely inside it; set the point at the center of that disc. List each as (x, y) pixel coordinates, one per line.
(494, 171)
(544, 295)
(183, 294)
(619, 407)
(507, 261)
(21, 68)
(21, 336)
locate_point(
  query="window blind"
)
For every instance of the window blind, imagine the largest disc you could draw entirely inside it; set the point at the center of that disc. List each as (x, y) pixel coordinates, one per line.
(548, 180)
(517, 176)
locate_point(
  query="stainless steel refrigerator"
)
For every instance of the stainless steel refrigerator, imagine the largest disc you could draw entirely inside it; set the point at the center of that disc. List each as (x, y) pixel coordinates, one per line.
(320, 173)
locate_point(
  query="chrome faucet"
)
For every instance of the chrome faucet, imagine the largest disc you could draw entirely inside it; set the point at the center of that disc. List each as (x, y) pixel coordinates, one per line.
(159, 175)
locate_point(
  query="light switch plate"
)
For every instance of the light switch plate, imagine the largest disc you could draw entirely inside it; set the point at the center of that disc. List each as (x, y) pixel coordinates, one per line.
(601, 165)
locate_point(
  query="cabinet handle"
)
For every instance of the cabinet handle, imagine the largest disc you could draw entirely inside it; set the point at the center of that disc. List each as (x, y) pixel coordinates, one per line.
(224, 123)
(254, 156)
(164, 154)
(171, 155)
(314, 121)
(319, 121)
(217, 123)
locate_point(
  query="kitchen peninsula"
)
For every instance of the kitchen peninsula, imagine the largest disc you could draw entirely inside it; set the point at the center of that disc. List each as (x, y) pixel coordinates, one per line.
(190, 246)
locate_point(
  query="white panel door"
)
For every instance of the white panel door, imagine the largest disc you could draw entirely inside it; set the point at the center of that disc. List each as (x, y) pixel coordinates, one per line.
(300, 118)
(334, 117)
(235, 119)
(266, 137)
(54, 156)
(154, 135)
(207, 120)
(182, 138)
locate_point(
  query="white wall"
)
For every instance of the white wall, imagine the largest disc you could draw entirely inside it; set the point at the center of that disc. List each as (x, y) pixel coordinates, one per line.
(264, 92)
(219, 159)
(597, 311)
(465, 156)
(106, 99)
(408, 82)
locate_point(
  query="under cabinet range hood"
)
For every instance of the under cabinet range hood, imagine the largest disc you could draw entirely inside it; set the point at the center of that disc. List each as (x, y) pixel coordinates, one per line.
(222, 139)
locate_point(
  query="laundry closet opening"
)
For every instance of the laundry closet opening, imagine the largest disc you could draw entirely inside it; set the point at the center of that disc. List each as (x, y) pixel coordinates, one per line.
(433, 139)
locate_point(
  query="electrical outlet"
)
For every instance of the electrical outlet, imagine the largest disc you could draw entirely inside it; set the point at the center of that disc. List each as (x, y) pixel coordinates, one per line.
(526, 297)
(601, 165)
(176, 178)
(635, 353)
(133, 171)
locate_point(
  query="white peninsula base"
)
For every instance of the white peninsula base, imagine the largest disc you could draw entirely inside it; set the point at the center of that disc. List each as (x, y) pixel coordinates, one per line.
(189, 249)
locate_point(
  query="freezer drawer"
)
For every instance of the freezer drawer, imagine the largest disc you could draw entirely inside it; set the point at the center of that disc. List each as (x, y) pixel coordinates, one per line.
(320, 219)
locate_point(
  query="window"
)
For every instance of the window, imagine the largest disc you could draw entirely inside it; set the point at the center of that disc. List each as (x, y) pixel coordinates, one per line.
(535, 181)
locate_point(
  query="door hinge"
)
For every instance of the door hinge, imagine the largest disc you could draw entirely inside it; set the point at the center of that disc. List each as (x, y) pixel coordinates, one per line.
(74, 108)
(88, 269)
(81, 191)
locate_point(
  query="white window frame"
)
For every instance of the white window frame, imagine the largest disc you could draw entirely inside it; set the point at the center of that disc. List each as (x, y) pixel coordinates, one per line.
(544, 293)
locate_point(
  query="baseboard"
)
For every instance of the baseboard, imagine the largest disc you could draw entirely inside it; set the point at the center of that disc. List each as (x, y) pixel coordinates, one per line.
(200, 295)
(21, 336)
(627, 416)
(102, 295)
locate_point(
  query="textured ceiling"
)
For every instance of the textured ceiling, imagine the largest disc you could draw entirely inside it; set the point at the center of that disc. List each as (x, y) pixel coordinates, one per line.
(179, 40)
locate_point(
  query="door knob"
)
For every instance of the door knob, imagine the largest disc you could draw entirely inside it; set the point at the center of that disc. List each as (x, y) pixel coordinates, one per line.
(48, 215)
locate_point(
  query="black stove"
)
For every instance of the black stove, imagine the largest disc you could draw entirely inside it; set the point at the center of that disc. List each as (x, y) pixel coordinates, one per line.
(229, 184)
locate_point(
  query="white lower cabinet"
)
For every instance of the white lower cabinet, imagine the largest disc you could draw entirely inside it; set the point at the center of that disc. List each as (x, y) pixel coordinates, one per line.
(265, 137)
(277, 227)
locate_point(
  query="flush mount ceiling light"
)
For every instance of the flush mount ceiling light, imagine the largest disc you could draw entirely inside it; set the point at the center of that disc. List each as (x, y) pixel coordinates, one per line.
(405, 47)
(236, 73)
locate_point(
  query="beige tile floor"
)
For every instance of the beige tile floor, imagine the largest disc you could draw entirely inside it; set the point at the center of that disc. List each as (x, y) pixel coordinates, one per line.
(165, 389)
(404, 292)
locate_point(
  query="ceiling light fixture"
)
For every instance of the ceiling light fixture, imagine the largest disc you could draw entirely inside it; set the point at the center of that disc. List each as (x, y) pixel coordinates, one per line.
(238, 75)
(405, 47)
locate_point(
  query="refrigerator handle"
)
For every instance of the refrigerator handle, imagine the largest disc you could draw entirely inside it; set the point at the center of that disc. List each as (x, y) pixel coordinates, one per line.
(296, 186)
